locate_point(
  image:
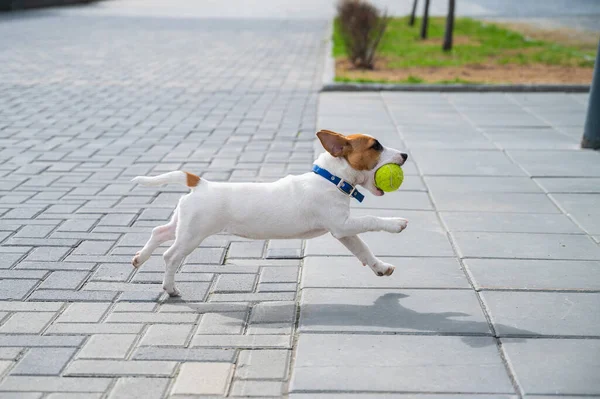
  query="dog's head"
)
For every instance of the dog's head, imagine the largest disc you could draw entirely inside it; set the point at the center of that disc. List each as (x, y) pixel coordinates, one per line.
(363, 153)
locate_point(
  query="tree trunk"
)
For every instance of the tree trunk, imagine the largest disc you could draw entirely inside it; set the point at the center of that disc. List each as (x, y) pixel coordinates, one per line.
(411, 22)
(425, 22)
(449, 27)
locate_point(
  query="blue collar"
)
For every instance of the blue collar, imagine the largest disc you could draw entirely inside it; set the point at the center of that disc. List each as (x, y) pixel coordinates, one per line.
(340, 183)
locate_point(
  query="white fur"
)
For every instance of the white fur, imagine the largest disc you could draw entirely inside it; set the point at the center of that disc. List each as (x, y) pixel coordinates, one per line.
(302, 206)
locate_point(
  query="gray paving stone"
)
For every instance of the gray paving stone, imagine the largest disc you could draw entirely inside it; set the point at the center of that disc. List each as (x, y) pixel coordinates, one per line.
(120, 368)
(277, 249)
(166, 335)
(10, 353)
(83, 313)
(48, 254)
(569, 366)
(465, 163)
(139, 388)
(43, 361)
(249, 249)
(257, 297)
(334, 363)
(509, 222)
(64, 280)
(543, 163)
(521, 274)
(235, 283)
(107, 346)
(26, 322)
(494, 202)
(74, 395)
(185, 354)
(206, 255)
(15, 340)
(570, 184)
(372, 310)
(16, 289)
(544, 313)
(345, 272)
(68, 295)
(527, 246)
(271, 312)
(54, 384)
(21, 395)
(222, 323)
(55, 266)
(202, 379)
(469, 184)
(242, 341)
(262, 364)
(95, 328)
(257, 388)
(279, 275)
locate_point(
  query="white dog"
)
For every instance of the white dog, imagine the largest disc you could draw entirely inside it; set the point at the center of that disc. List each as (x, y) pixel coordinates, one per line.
(303, 206)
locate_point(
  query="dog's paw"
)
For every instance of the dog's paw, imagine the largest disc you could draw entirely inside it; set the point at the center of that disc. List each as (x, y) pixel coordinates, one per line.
(171, 290)
(138, 259)
(396, 225)
(382, 269)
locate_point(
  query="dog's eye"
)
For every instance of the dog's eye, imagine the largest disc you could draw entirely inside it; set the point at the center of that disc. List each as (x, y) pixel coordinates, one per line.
(377, 146)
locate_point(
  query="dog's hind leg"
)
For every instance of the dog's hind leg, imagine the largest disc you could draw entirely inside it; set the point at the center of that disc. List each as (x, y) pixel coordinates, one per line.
(159, 235)
(174, 256)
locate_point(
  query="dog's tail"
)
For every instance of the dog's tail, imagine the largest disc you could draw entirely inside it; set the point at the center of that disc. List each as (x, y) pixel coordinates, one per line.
(178, 176)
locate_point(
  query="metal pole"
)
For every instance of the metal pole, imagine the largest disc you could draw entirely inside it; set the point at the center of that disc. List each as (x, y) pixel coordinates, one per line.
(591, 131)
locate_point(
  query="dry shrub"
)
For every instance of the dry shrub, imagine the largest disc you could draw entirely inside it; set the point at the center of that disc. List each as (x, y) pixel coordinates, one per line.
(362, 27)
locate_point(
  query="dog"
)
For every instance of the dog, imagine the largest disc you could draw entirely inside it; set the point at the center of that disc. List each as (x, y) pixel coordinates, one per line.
(300, 206)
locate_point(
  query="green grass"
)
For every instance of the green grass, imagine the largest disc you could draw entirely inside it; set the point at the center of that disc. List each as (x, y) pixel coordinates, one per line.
(487, 43)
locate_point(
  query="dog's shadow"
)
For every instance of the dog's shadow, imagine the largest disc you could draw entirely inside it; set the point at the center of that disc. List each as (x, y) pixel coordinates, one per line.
(388, 313)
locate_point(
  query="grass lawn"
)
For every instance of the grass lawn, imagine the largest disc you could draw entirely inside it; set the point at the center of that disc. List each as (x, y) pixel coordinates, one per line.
(482, 53)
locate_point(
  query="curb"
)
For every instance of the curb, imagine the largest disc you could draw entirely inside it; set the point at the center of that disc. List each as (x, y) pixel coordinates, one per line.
(465, 88)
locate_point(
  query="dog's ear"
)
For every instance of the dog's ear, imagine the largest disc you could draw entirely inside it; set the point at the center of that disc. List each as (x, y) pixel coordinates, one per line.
(335, 144)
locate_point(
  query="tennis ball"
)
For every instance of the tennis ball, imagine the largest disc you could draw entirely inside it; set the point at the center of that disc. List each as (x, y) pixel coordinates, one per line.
(389, 177)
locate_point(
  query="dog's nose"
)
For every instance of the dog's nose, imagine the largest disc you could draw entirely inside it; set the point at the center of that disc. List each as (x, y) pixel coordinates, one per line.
(404, 156)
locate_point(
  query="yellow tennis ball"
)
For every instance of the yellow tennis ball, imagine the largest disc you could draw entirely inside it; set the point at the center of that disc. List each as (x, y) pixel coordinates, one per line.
(389, 177)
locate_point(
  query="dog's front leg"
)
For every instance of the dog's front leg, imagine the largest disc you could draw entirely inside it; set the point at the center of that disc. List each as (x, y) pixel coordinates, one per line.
(356, 225)
(360, 249)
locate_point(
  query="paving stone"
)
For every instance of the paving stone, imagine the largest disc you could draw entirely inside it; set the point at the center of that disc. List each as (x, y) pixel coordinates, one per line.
(277, 287)
(23, 274)
(95, 328)
(342, 272)
(249, 249)
(139, 388)
(93, 248)
(241, 341)
(16, 289)
(235, 283)
(262, 364)
(166, 335)
(222, 323)
(570, 185)
(494, 202)
(257, 388)
(544, 313)
(64, 280)
(570, 366)
(284, 249)
(279, 275)
(468, 184)
(10, 353)
(258, 297)
(83, 313)
(21, 395)
(26, 322)
(527, 246)
(206, 256)
(185, 354)
(68, 295)
(509, 222)
(54, 384)
(107, 346)
(466, 163)
(189, 307)
(334, 363)
(120, 367)
(372, 310)
(43, 361)
(56, 265)
(171, 318)
(543, 163)
(271, 312)
(202, 379)
(47, 254)
(534, 274)
(74, 395)
(16, 340)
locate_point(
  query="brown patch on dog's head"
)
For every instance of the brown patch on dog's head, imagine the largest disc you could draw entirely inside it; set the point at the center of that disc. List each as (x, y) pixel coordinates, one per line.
(361, 151)
(192, 179)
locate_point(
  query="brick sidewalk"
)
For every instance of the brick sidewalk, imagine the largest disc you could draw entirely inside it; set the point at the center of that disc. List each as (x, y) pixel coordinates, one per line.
(86, 103)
